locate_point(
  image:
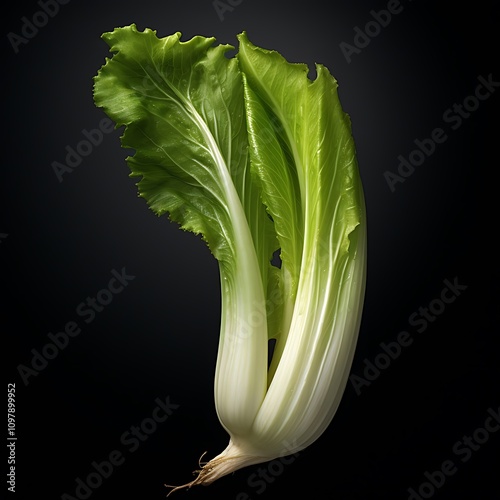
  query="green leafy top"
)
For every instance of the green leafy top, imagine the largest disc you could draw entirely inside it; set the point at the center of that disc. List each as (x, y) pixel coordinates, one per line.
(182, 105)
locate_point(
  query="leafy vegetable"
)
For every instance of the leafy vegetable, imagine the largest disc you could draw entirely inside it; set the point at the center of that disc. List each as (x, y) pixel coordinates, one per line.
(255, 157)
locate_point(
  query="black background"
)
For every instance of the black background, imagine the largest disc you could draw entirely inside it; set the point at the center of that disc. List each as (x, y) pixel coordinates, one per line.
(158, 338)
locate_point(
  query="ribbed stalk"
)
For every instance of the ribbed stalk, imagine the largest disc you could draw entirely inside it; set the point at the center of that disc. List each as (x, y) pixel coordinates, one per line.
(241, 370)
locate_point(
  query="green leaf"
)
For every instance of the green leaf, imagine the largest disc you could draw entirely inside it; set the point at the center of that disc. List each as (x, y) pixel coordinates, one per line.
(306, 162)
(182, 105)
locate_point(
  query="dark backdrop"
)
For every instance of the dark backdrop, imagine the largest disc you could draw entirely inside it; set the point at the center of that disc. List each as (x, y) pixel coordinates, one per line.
(429, 234)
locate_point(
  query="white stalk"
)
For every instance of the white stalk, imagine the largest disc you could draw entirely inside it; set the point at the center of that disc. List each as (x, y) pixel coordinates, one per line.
(311, 375)
(241, 370)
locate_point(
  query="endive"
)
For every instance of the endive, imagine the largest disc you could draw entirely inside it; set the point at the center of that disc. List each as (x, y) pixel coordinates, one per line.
(255, 157)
